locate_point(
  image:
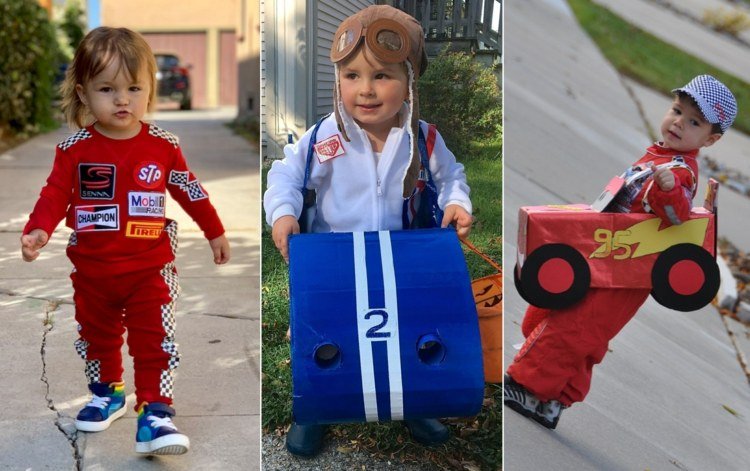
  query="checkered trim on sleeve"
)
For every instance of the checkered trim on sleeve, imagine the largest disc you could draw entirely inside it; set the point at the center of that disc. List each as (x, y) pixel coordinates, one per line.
(156, 131)
(81, 135)
(192, 188)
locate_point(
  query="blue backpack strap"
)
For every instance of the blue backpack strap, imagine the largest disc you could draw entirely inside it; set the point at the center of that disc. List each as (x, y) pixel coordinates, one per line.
(425, 149)
(310, 152)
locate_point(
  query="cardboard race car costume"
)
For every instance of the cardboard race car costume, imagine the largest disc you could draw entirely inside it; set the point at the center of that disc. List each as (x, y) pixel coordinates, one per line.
(563, 250)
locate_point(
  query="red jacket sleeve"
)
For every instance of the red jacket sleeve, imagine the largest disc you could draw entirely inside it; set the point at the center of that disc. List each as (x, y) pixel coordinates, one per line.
(672, 206)
(193, 198)
(55, 197)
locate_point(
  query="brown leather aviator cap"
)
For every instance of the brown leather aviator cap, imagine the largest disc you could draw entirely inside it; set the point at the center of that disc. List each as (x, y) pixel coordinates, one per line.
(389, 34)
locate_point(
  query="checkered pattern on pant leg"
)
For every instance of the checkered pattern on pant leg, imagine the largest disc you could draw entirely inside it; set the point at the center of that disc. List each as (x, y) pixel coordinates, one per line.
(171, 230)
(81, 347)
(166, 381)
(73, 239)
(93, 371)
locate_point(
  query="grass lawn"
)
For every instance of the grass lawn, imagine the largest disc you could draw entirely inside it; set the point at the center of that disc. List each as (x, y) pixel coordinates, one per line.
(477, 441)
(649, 60)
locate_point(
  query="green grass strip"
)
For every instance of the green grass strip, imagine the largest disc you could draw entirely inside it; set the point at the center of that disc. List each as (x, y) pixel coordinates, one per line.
(651, 61)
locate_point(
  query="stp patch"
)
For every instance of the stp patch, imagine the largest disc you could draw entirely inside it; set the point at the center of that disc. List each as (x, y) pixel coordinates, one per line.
(329, 148)
(149, 175)
(104, 217)
(97, 181)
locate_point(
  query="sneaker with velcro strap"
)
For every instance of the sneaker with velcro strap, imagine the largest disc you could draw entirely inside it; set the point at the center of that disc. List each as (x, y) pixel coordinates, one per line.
(106, 406)
(156, 434)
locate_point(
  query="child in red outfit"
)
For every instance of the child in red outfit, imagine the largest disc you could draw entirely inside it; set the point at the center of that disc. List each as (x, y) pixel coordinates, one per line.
(554, 367)
(109, 181)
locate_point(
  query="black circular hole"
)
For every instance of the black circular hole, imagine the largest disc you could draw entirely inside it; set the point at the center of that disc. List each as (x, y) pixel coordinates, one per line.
(430, 349)
(327, 355)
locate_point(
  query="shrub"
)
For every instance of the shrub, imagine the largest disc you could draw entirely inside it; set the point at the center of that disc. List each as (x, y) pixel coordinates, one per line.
(27, 67)
(461, 97)
(726, 21)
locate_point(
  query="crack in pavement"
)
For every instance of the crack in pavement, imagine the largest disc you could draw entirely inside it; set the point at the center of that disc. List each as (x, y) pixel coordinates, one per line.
(63, 422)
(55, 301)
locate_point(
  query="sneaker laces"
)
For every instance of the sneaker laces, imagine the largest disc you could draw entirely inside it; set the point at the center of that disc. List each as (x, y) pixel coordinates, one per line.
(99, 402)
(158, 422)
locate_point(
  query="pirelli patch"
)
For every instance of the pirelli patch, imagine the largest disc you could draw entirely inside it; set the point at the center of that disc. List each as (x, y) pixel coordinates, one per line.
(144, 229)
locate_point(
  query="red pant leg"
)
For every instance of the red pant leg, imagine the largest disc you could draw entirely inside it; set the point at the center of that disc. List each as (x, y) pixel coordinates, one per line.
(100, 328)
(149, 318)
(557, 359)
(534, 315)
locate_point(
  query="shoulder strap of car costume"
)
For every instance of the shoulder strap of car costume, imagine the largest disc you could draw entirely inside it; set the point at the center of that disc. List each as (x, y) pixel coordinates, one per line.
(310, 152)
(429, 209)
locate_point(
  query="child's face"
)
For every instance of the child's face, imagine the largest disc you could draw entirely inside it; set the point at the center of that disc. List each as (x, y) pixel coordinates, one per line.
(685, 129)
(372, 92)
(116, 100)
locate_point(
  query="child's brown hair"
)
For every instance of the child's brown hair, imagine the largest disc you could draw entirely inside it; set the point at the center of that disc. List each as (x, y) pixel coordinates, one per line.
(98, 49)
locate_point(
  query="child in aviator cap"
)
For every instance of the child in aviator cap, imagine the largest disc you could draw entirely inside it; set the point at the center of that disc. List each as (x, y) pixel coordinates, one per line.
(554, 367)
(367, 161)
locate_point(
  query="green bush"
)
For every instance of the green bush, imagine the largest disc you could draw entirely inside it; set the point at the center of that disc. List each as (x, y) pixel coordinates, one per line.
(27, 67)
(461, 97)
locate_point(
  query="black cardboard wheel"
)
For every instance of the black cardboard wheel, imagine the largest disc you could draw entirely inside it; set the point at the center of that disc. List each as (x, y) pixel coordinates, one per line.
(519, 286)
(537, 291)
(697, 259)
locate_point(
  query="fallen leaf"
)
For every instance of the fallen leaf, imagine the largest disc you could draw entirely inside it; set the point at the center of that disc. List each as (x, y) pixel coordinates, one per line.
(730, 410)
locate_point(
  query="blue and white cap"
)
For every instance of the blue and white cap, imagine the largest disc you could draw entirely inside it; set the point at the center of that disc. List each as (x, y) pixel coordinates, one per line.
(714, 99)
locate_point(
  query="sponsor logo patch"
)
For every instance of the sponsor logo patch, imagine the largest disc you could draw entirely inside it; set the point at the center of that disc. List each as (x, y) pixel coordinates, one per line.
(193, 187)
(97, 181)
(97, 218)
(329, 148)
(149, 175)
(144, 229)
(149, 204)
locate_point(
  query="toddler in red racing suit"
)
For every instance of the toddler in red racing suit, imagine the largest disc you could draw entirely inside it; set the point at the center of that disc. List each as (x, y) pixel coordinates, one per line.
(109, 181)
(554, 366)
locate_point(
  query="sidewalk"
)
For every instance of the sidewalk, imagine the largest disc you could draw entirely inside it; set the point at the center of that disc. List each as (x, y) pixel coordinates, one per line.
(217, 385)
(666, 395)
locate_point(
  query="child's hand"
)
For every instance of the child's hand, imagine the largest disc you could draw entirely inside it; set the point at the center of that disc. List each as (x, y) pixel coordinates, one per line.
(31, 243)
(663, 177)
(282, 229)
(220, 248)
(456, 215)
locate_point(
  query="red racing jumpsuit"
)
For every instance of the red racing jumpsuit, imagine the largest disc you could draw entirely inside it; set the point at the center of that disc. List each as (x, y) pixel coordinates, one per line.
(563, 345)
(113, 194)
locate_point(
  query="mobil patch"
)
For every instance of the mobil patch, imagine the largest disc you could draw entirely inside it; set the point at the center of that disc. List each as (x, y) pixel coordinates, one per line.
(96, 181)
(329, 148)
(97, 218)
(146, 203)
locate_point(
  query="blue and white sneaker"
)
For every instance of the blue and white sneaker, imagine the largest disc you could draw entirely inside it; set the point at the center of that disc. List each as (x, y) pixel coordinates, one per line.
(156, 433)
(107, 405)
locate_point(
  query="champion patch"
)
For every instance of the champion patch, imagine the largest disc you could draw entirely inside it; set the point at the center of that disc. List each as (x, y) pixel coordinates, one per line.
(144, 229)
(329, 148)
(97, 218)
(97, 181)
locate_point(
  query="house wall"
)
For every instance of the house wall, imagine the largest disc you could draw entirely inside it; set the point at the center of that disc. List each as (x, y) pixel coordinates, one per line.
(196, 28)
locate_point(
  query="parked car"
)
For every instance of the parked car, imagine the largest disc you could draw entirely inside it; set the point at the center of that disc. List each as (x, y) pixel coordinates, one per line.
(563, 250)
(173, 80)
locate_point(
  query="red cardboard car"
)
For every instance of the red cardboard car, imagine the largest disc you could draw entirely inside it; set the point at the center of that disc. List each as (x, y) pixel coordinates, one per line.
(565, 249)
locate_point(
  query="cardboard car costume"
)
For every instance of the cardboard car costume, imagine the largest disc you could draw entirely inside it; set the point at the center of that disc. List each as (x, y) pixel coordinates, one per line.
(563, 250)
(383, 326)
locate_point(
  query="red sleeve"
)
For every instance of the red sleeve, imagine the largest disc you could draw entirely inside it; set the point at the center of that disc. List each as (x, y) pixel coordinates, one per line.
(672, 206)
(55, 197)
(193, 198)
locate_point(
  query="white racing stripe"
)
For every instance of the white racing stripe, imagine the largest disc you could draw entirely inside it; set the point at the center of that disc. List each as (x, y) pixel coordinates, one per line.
(391, 307)
(366, 366)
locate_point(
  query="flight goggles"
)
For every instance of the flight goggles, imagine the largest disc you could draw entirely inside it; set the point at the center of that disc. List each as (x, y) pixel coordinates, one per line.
(385, 38)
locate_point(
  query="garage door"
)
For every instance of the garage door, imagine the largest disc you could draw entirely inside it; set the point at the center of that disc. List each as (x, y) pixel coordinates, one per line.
(191, 48)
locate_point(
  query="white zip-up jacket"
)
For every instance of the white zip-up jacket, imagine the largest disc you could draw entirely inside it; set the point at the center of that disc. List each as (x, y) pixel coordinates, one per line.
(356, 192)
